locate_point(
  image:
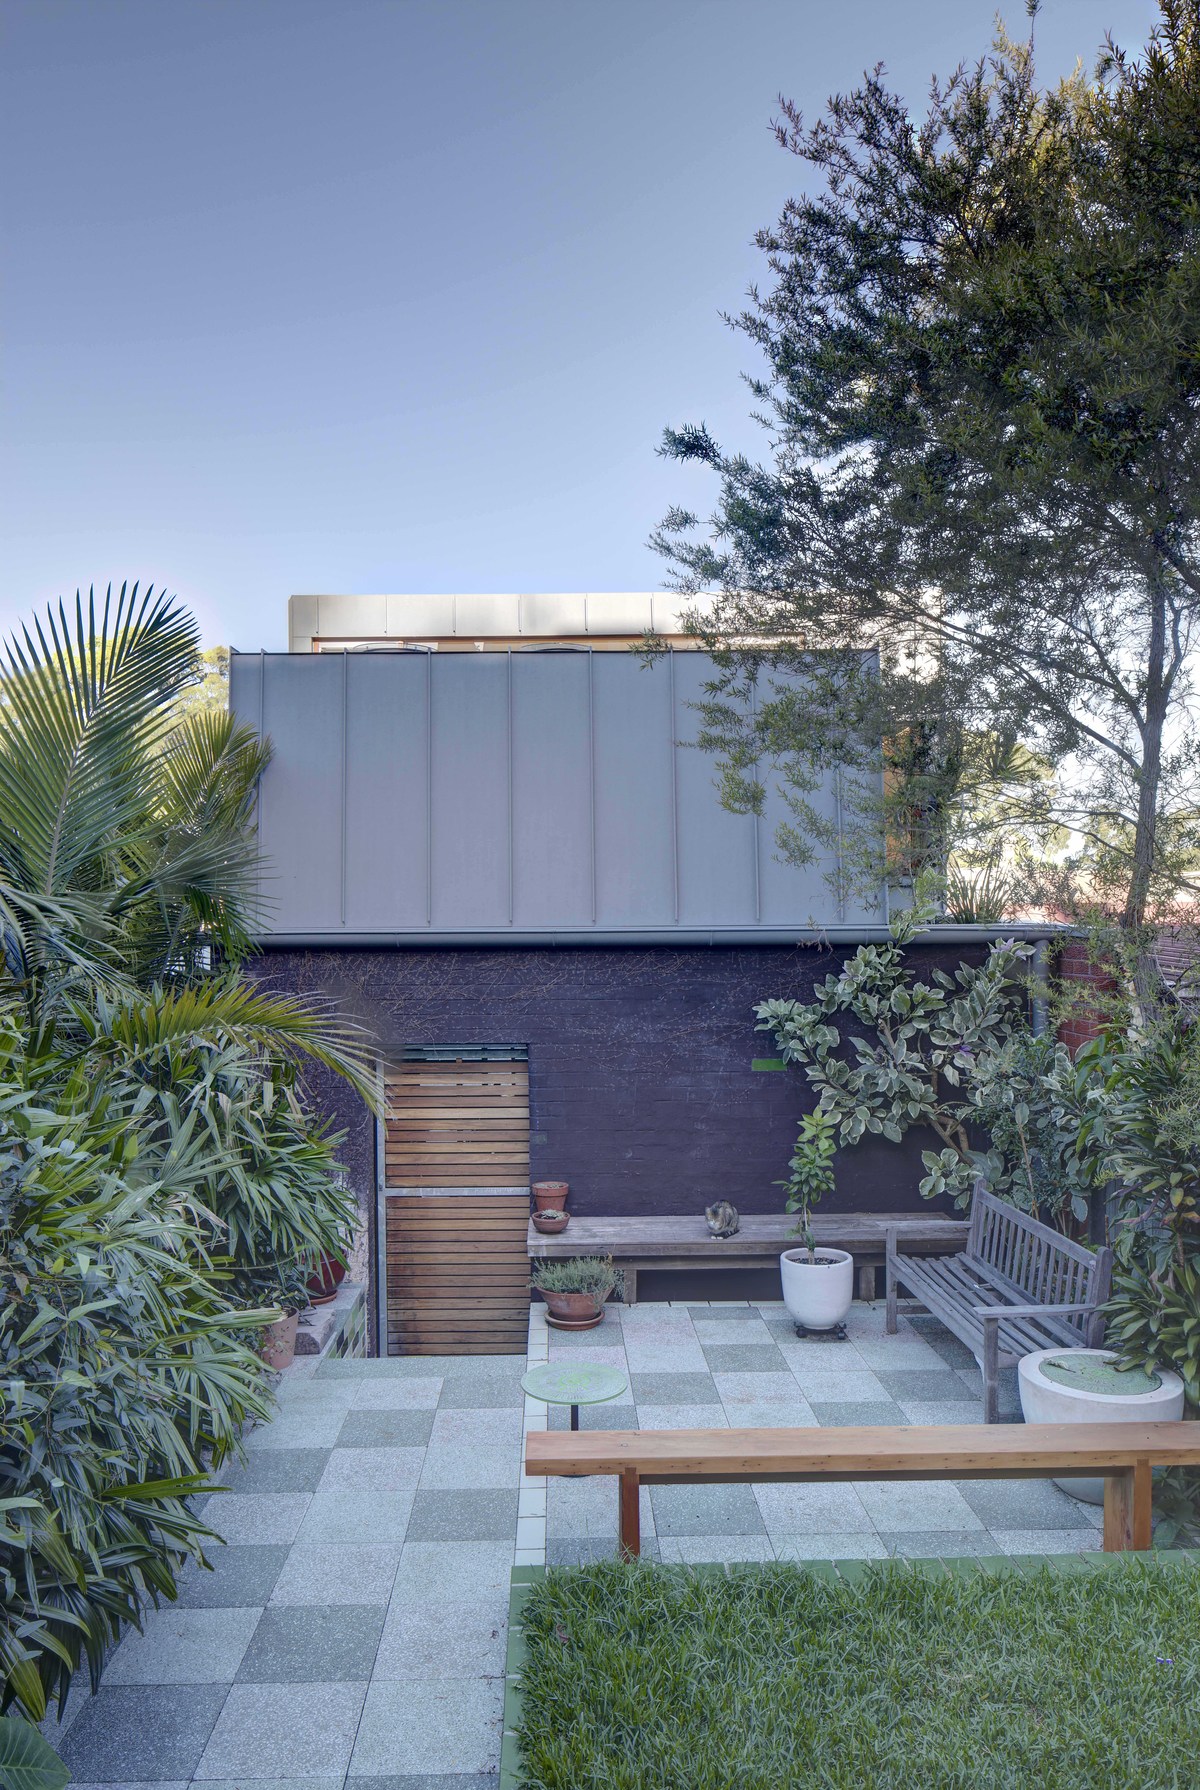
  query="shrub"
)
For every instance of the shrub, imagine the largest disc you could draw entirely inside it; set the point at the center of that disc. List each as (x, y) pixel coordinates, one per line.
(577, 1274)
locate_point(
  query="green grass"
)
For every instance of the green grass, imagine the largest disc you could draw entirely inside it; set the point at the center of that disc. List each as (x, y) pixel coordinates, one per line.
(785, 1678)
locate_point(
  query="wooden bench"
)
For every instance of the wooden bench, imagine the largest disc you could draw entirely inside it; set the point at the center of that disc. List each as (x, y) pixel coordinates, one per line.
(1123, 1453)
(1017, 1286)
(685, 1242)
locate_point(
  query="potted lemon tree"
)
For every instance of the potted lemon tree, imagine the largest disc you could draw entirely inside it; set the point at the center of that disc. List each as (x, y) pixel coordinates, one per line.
(818, 1283)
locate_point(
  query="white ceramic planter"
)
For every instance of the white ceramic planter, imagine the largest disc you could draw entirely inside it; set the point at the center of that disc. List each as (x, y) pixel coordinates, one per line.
(817, 1294)
(1050, 1401)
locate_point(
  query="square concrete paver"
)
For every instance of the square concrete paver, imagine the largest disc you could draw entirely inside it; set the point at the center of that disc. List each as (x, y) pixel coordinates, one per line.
(236, 1576)
(1028, 1504)
(183, 1646)
(744, 1358)
(397, 1395)
(337, 1574)
(372, 1469)
(917, 1504)
(356, 1517)
(444, 1640)
(706, 1510)
(443, 1725)
(458, 1465)
(472, 1514)
(799, 1510)
(385, 1428)
(301, 1730)
(277, 1470)
(142, 1734)
(306, 1643)
(451, 1572)
(250, 1518)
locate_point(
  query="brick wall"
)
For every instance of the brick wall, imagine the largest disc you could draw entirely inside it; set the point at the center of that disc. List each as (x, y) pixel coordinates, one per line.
(1080, 976)
(641, 1090)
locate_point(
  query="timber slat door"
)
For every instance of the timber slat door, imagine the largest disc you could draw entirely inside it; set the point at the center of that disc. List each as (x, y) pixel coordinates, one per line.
(456, 1147)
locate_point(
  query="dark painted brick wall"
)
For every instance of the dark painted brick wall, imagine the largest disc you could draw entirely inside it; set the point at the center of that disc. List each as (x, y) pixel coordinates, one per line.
(641, 1089)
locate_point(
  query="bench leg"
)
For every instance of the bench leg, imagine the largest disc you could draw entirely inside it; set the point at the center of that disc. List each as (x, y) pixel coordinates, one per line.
(991, 1370)
(866, 1282)
(1127, 1508)
(629, 1289)
(631, 1519)
(892, 1323)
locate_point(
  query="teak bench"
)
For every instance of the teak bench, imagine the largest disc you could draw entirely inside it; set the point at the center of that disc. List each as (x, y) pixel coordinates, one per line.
(684, 1242)
(1123, 1453)
(1017, 1286)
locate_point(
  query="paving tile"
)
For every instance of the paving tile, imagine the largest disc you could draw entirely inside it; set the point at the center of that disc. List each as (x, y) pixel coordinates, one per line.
(386, 1429)
(654, 1357)
(588, 1506)
(333, 1781)
(677, 1417)
(304, 1730)
(615, 1415)
(870, 1411)
(297, 1429)
(1046, 1541)
(451, 1571)
(398, 1395)
(306, 1643)
(183, 1646)
(942, 1384)
(948, 1347)
(446, 1640)
(674, 1389)
(335, 1574)
(278, 1470)
(732, 1326)
(372, 1469)
(253, 1518)
(428, 1780)
(241, 1576)
(898, 1352)
(693, 1550)
(389, 1367)
(794, 1511)
(916, 1505)
(354, 1518)
(470, 1428)
(937, 1544)
(1027, 1504)
(844, 1386)
(861, 1544)
(314, 1395)
(706, 1510)
(825, 1355)
(474, 1515)
(756, 1389)
(744, 1358)
(142, 1734)
(448, 1725)
(460, 1464)
(564, 1550)
(797, 1415)
(562, 1348)
(481, 1367)
(920, 1410)
(481, 1395)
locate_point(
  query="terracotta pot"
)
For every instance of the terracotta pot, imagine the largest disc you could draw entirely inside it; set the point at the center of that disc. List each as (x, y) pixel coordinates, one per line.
(279, 1342)
(573, 1305)
(543, 1222)
(323, 1285)
(550, 1193)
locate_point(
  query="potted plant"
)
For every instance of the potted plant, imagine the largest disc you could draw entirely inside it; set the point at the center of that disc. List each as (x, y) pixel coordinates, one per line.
(575, 1289)
(1091, 1386)
(325, 1280)
(818, 1283)
(283, 1287)
(549, 1220)
(550, 1194)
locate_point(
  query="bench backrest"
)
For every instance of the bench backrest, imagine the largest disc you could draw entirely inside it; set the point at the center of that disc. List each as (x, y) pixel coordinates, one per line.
(1036, 1264)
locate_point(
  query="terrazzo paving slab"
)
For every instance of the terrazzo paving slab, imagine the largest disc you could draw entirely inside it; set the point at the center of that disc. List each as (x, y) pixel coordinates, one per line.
(444, 1725)
(304, 1729)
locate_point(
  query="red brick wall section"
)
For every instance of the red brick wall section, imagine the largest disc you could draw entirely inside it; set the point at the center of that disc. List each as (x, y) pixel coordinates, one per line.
(1080, 974)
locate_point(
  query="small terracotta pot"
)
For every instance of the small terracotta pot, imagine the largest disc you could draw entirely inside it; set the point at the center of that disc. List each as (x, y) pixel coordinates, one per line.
(323, 1285)
(550, 1193)
(572, 1305)
(547, 1225)
(279, 1342)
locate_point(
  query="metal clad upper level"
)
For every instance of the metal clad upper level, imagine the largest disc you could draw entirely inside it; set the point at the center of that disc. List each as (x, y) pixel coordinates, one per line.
(470, 619)
(498, 795)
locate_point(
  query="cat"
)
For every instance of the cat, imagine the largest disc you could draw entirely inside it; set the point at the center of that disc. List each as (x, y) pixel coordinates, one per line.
(722, 1218)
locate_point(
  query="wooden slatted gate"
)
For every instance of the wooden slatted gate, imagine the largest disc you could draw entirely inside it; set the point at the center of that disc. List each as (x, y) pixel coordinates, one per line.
(456, 1135)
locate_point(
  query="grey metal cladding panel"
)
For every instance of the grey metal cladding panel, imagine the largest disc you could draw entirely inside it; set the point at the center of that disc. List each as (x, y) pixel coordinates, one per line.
(716, 848)
(552, 824)
(300, 806)
(635, 882)
(470, 791)
(246, 673)
(386, 788)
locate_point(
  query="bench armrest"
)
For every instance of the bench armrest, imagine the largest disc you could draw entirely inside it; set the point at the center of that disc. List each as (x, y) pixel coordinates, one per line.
(1025, 1311)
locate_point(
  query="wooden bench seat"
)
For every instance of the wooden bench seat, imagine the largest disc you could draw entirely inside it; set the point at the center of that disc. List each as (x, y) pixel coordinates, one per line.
(1016, 1287)
(684, 1242)
(1122, 1453)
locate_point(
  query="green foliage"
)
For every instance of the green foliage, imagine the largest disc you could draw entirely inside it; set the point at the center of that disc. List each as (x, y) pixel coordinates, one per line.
(27, 1762)
(810, 1171)
(576, 1274)
(977, 334)
(886, 1051)
(1154, 1320)
(888, 1676)
(1024, 1093)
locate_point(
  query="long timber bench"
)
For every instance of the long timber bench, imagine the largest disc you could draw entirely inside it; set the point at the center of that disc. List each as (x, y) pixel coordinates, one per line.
(1123, 1454)
(684, 1243)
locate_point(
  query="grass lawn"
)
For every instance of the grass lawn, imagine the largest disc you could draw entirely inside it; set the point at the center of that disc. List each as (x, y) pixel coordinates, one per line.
(778, 1678)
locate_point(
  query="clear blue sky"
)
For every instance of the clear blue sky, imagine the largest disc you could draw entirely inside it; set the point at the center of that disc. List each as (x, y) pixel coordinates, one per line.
(397, 294)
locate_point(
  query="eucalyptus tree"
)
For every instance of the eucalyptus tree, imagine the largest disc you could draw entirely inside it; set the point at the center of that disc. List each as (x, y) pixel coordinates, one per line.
(976, 530)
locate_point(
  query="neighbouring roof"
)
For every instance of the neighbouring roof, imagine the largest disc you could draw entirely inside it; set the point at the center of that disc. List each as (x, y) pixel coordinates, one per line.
(469, 620)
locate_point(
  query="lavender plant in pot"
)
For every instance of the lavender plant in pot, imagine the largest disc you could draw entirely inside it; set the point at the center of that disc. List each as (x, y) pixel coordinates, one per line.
(575, 1289)
(818, 1283)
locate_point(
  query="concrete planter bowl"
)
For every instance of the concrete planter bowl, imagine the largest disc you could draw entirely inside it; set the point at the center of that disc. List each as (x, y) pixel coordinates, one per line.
(817, 1293)
(1084, 1386)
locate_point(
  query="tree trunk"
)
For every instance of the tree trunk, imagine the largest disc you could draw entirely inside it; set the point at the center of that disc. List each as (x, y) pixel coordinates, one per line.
(1150, 777)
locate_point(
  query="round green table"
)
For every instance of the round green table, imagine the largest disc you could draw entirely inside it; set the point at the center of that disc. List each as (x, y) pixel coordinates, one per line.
(557, 1384)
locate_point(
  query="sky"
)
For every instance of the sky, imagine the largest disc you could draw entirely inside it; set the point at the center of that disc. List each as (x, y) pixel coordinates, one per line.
(399, 295)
